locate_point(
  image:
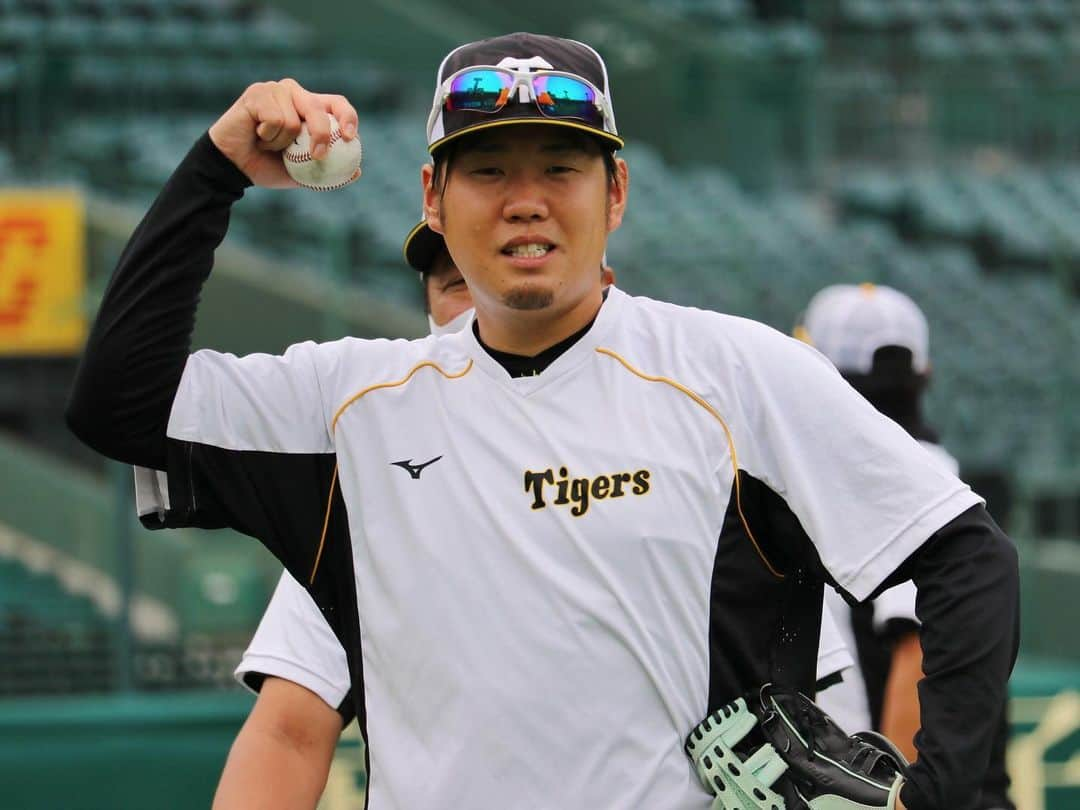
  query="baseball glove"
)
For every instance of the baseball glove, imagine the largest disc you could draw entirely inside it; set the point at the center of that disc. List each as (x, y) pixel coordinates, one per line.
(777, 750)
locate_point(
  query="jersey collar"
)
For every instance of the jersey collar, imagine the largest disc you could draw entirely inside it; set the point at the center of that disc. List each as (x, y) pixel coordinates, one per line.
(570, 359)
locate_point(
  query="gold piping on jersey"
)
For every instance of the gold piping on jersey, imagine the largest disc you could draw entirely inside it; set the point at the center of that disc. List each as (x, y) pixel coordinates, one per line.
(727, 432)
(333, 427)
(325, 525)
(396, 383)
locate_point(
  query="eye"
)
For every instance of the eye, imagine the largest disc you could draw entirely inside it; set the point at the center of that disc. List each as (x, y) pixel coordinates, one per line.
(561, 169)
(486, 171)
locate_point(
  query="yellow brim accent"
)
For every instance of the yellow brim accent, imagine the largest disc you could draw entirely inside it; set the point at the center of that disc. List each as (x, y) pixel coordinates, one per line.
(559, 122)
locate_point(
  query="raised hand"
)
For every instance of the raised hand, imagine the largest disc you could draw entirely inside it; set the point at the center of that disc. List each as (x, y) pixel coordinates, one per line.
(265, 120)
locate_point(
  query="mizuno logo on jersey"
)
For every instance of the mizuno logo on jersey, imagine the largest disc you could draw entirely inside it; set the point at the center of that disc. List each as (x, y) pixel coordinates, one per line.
(414, 470)
(579, 493)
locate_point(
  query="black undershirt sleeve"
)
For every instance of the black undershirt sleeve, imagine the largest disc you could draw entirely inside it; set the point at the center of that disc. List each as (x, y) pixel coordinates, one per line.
(140, 340)
(967, 576)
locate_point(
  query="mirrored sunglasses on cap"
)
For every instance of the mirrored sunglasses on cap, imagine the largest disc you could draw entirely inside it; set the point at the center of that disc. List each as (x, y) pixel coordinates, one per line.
(558, 95)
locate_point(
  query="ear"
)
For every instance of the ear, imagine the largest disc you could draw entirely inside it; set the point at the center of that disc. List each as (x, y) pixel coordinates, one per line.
(432, 198)
(617, 193)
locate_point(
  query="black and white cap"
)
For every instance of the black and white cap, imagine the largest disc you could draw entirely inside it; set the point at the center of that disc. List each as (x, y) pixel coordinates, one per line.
(520, 51)
(848, 323)
(422, 246)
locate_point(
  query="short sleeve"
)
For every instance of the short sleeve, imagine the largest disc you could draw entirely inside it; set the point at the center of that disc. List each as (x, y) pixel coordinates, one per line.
(866, 493)
(260, 402)
(248, 448)
(294, 642)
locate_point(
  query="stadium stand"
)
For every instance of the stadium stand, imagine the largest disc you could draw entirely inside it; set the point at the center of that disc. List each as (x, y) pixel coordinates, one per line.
(52, 641)
(962, 74)
(1014, 219)
(933, 145)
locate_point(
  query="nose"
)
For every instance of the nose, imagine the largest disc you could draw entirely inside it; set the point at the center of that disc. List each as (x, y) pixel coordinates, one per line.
(525, 200)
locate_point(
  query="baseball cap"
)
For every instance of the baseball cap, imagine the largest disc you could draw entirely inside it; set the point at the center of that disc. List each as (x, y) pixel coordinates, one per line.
(848, 323)
(422, 246)
(521, 78)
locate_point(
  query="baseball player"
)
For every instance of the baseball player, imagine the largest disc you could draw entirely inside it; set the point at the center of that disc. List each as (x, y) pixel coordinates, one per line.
(878, 338)
(297, 666)
(552, 542)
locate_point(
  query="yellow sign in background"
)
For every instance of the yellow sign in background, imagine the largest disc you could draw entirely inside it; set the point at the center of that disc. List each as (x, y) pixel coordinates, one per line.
(42, 272)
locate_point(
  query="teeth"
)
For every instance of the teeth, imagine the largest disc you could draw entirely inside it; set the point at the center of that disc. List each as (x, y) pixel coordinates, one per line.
(532, 250)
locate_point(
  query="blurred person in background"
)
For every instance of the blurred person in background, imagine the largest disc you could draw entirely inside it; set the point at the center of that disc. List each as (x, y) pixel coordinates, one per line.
(879, 340)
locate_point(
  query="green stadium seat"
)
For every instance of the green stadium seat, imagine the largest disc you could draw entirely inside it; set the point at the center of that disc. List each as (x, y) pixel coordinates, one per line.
(1051, 14)
(72, 33)
(934, 44)
(865, 15)
(985, 44)
(122, 35)
(960, 14)
(911, 14)
(1034, 45)
(171, 35)
(795, 41)
(21, 30)
(274, 33)
(224, 36)
(713, 13)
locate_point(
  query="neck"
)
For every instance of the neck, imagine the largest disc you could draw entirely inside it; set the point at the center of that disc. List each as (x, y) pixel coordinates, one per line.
(527, 333)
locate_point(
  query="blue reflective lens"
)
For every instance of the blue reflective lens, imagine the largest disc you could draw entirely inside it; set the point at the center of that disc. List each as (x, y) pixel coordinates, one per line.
(479, 90)
(566, 97)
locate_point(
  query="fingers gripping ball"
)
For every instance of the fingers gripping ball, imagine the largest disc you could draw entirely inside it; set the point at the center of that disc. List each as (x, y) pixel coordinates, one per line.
(777, 750)
(338, 168)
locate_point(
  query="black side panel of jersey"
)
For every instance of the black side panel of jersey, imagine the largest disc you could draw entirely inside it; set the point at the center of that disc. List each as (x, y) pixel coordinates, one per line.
(762, 628)
(281, 499)
(333, 588)
(291, 503)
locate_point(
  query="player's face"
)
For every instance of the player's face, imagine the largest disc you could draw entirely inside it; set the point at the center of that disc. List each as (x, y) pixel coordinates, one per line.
(447, 294)
(526, 211)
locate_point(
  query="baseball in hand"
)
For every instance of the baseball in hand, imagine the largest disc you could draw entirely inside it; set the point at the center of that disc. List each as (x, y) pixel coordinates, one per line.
(338, 168)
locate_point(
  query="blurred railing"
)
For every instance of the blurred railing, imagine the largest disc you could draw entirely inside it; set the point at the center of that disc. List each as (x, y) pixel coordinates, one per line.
(92, 602)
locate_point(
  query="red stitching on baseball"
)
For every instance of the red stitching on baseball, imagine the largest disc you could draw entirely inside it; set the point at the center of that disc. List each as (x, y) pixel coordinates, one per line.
(304, 157)
(335, 187)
